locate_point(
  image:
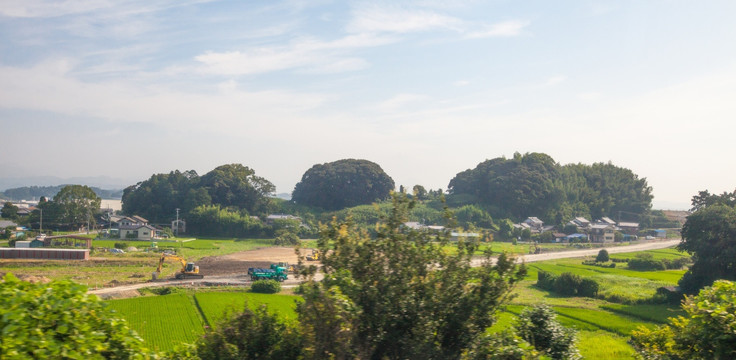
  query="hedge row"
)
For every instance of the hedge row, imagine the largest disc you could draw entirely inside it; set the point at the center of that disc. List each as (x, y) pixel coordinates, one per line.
(567, 284)
(649, 264)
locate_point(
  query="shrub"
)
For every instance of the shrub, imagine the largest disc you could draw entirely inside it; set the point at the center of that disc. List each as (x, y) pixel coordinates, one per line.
(59, 320)
(588, 287)
(285, 238)
(567, 284)
(602, 256)
(538, 325)
(546, 280)
(265, 286)
(120, 245)
(646, 263)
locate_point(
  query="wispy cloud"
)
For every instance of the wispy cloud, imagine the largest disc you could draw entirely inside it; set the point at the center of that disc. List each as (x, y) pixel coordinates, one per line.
(554, 80)
(396, 19)
(503, 29)
(307, 53)
(400, 100)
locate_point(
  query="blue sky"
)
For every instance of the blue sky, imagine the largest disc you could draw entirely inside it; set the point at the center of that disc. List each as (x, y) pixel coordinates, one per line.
(426, 89)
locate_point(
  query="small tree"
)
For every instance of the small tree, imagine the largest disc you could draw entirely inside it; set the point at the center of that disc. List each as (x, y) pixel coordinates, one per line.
(538, 325)
(60, 320)
(602, 256)
(707, 332)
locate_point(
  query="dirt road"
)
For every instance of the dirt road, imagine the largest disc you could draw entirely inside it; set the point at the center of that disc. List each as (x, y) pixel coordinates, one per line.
(230, 270)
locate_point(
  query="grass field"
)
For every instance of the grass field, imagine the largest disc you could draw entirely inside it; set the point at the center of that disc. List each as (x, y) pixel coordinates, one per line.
(215, 305)
(162, 321)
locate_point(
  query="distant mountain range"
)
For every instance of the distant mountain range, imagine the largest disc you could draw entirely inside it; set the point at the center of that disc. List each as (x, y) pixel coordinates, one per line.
(29, 188)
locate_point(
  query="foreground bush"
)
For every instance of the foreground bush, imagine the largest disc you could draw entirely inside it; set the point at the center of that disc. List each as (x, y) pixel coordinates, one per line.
(538, 325)
(707, 332)
(265, 286)
(59, 320)
(567, 284)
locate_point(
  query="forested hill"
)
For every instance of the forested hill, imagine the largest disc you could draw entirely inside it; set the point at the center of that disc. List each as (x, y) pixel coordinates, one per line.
(36, 192)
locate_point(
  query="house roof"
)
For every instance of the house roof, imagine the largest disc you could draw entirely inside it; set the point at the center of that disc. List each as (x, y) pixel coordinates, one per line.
(628, 224)
(533, 219)
(601, 226)
(608, 220)
(6, 223)
(581, 219)
(139, 219)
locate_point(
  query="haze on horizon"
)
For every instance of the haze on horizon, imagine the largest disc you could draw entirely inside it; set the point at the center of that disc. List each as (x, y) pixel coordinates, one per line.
(426, 89)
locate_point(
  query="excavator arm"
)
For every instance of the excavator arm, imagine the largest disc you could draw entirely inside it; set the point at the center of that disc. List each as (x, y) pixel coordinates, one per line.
(188, 270)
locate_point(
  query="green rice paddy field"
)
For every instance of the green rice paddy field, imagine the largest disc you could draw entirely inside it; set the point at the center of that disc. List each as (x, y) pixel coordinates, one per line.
(603, 326)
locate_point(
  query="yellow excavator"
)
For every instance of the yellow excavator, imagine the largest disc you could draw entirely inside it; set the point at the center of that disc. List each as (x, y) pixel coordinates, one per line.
(315, 256)
(188, 270)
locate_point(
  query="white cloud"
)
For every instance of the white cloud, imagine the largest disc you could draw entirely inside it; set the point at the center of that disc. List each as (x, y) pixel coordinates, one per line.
(306, 53)
(395, 19)
(554, 80)
(57, 8)
(400, 100)
(461, 83)
(49, 87)
(503, 29)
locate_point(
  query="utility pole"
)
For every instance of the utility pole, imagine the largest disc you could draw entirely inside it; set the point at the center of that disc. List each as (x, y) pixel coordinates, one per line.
(40, 225)
(177, 222)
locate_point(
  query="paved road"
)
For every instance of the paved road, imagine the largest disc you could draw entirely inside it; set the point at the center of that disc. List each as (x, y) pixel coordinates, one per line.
(291, 282)
(652, 245)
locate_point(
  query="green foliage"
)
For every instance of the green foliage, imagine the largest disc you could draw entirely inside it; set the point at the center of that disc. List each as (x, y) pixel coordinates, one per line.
(232, 185)
(343, 183)
(602, 256)
(265, 286)
(37, 192)
(504, 345)
(708, 331)
(59, 320)
(9, 211)
(538, 325)
(709, 234)
(567, 284)
(238, 186)
(251, 335)
(399, 294)
(471, 215)
(212, 220)
(286, 238)
(157, 198)
(524, 185)
(705, 199)
(645, 262)
(120, 245)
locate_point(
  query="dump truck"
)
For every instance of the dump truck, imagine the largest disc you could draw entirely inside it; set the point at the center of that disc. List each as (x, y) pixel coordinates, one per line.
(275, 272)
(188, 269)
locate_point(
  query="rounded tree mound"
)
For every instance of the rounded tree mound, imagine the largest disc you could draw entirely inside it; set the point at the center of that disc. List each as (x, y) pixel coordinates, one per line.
(343, 183)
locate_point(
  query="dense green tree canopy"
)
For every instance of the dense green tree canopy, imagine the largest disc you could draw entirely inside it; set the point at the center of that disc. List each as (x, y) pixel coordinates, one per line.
(77, 204)
(237, 185)
(709, 234)
(533, 184)
(605, 189)
(342, 183)
(9, 211)
(518, 187)
(157, 198)
(705, 198)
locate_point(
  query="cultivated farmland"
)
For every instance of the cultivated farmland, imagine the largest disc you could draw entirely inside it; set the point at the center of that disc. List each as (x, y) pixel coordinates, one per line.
(162, 321)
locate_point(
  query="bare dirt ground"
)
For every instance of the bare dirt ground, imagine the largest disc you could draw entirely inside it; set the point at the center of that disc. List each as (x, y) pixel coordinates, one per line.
(239, 263)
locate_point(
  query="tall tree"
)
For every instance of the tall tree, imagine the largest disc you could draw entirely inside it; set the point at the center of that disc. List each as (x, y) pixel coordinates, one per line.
(9, 211)
(519, 187)
(78, 204)
(399, 295)
(342, 183)
(709, 235)
(237, 185)
(157, 198)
